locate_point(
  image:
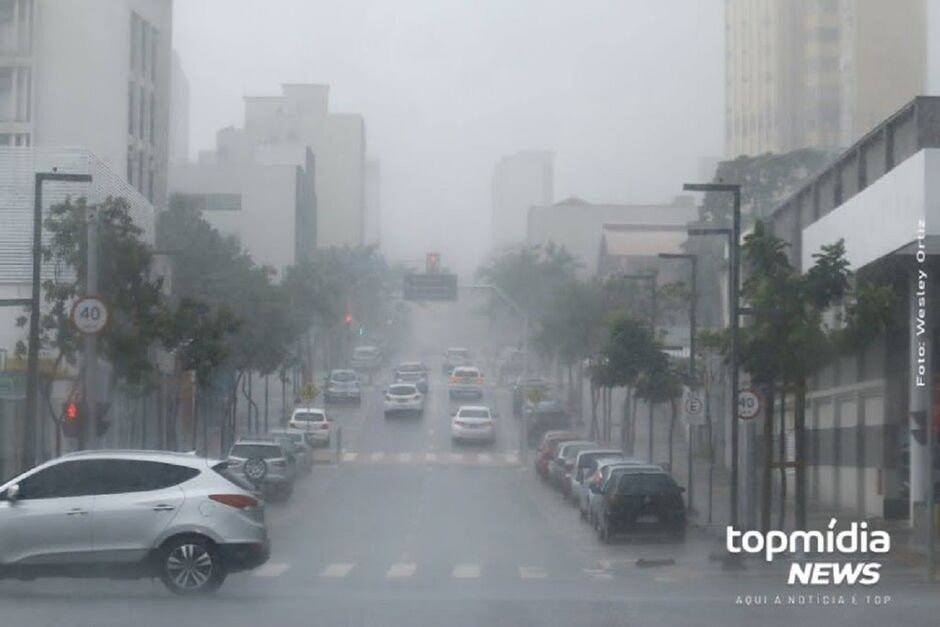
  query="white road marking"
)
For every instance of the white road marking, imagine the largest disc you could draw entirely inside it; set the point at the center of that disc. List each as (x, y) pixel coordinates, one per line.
(404, 457)
(532, 572)
(466, 571)
(512, 458)
(401, 570)
(271, 569)
(336, 571)
(484, 458)
(456, 457)
(430, 457)
(350, 457)
(377, 457)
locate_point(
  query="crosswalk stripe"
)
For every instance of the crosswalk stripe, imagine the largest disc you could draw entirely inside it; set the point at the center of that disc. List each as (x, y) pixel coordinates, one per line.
(377, 457)
(466, 571)
(336, 571)
(484, 458)
(531, 572)
(401, 570)
(404, 457)
(430, 457)
(271, 569)
(456, 457)
(350, 457)
(512, 458)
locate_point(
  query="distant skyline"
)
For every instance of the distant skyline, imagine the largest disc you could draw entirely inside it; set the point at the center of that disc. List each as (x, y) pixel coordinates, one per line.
(628, 95)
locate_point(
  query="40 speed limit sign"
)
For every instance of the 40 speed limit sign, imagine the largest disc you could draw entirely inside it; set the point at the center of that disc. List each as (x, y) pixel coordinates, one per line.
(749, 404)
(90, 315)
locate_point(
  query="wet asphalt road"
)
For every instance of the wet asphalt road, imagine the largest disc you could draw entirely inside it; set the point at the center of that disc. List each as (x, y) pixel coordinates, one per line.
(409, 529)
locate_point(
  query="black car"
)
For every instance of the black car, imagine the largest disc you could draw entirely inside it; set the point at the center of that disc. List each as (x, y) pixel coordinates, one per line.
(412, 372)
(644, 499)
(521, 391)
(547, 415)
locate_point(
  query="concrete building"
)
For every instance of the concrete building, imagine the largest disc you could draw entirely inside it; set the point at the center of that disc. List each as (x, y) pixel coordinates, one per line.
(817, 73)
(63, 84)
(866, 416)
(577, 224)
(179, 113)
(269, 208)
(279, 130)
(372, 220)
(520, 181)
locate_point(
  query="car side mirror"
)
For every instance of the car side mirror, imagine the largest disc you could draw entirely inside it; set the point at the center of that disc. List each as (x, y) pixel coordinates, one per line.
(12, 493)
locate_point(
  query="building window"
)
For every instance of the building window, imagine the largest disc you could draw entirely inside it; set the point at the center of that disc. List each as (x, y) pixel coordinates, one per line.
(7, 104)
(131, 108)
(130, 166)
(140, 172)
(153, 109)
(142, 101)
(154, 34)
(135, 29)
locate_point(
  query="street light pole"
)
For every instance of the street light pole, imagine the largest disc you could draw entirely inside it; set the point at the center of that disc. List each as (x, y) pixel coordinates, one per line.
(525, 355)
(734, 235)
(32, 355)
(693, 259)
(651, 277)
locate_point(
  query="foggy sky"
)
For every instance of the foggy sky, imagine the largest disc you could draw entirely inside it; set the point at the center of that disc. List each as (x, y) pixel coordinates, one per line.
(628, 93)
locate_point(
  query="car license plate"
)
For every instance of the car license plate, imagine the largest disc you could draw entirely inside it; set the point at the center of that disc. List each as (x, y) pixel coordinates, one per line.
(646, 520)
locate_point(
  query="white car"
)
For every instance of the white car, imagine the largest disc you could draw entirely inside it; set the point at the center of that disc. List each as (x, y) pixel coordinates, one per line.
(403, 398)
(473, 423)
(315, 421)
(175, 516)
(466, 381)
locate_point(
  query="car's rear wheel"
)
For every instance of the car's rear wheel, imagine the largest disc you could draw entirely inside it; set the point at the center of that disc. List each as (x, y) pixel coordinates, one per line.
(191, 565)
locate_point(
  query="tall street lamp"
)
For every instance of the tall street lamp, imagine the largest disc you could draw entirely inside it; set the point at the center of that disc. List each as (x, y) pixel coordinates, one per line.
(734, 237)
(651, 277)
(32, 355)
(693, 259)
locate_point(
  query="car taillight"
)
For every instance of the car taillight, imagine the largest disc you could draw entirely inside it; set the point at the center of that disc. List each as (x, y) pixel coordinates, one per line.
(460, 423)
(238, 501)
(454, 379)
(479, 380)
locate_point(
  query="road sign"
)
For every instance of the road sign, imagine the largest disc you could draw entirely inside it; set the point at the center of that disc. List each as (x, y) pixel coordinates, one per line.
(90, 315)
(309, 392)
(693, 406)
(440, 286)
(749, 404)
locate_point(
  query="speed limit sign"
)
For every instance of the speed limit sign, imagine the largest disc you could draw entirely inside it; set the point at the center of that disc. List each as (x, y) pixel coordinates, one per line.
(749, 404)
(90, 315)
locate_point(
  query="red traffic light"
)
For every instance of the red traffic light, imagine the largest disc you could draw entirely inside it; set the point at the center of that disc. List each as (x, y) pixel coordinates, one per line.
(348, 318)
(71, 412)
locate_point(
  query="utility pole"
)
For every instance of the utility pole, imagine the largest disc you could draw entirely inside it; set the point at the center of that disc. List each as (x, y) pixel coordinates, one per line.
(651, 277)
(734, 237)
(32, 356)
(90, 439)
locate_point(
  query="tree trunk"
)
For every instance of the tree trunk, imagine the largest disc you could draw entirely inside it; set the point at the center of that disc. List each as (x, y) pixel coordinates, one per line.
(674, 409)
(799, 428)
(633, 403)
(595, 398)
(650, 438)
(767, 446)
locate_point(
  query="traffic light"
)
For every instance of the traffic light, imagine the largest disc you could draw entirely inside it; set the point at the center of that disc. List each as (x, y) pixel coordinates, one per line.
(348, 318)
(432, 263)
(73, 419)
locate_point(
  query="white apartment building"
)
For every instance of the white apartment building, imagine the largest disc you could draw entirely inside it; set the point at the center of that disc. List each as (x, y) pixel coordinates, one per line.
(520, 181)
(63, 84)
(372, 220)
(279, 130)
(178, 141)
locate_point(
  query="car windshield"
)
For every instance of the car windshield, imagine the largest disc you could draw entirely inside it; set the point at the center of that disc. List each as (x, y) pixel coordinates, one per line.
(309, 416)
(474, 413)
(264, 451)
(705, 233)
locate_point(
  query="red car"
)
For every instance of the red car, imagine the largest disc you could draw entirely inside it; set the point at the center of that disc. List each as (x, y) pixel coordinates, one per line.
(547, 447)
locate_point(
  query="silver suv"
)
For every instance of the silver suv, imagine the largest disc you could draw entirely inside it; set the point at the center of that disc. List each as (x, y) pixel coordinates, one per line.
(264, 462)
(131, 514)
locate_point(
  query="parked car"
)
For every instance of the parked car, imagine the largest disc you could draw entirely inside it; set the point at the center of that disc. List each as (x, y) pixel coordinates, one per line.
(403, 398)
(582, 466)
(473, 423)
(132, 514)
(466, 381)
(297, 444)
(547, 415)
(266, 463)
(559, 469)
(608, 474)
(642, 500)
(547, 447)
(412, 372)
(366, 358)
(597, 472)
(315, 421)
(454, 357)
(342, 385)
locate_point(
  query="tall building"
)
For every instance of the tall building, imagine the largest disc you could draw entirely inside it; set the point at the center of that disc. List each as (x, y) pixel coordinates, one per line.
(64, 84)
(372, 221)
(179, 113)
(520, 181)
(278, 130)
(817, 73)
